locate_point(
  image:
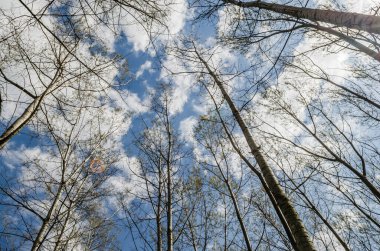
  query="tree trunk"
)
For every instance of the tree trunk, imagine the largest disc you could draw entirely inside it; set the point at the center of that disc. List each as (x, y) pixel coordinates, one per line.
(63, 229)
(259, 175)
(234, 200)
(21, 121)
(158, 214)
(40, 236)
(337, 158)
(352, 20)
(38, 241)
(27, 115)
(169, 183)
(298, 230)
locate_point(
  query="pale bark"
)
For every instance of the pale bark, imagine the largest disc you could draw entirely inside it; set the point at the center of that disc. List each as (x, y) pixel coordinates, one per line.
(158, 214)
(20, 121)
(28, 114)
(326, 16)
(45, 223)
(373, 54)
(352, 20)
(169, 182)
(298, 230)
(72, 204)
(63, 229)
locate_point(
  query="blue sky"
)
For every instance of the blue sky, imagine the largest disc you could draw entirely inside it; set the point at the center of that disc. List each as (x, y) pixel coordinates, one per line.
(151, 77)
(130, 42)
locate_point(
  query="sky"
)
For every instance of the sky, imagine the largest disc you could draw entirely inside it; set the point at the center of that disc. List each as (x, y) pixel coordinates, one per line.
(149, 66)
(144, 75)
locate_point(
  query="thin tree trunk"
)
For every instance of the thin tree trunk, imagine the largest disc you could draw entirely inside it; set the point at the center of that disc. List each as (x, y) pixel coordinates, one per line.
(354, 203)
(23, 89)
(63, 229)
(169, 183)
(45, 223)
(354, 93)
(206, 237)
(70, 208)
(158, 214)
(298, 230)
(21, 121)
(352, 20)
(169, 214)
(325, 221)
(192, 235)
(234, 202)
(38, 241)
(373, 54)
(225, 223)
(240, 218)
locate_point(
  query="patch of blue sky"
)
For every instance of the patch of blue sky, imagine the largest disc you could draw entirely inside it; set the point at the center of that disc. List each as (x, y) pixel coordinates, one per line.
(27, 138)
(135, 59)
(204, 29)
(150, 78)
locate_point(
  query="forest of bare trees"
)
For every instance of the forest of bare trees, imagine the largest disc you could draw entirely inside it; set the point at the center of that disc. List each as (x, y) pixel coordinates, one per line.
(190, 125)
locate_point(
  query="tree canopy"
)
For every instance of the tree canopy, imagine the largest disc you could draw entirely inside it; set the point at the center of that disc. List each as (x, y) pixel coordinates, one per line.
(189, 125)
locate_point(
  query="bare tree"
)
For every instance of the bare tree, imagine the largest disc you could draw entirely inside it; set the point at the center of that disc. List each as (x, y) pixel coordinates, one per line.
(62, 31)
(220, 162)
(57, 189)
(298, 231)
(161, 154)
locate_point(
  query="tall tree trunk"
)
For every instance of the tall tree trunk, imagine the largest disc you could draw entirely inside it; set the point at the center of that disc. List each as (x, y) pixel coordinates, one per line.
(352, 20)
(192, 235)
(169, 182)
(70, 208)
(349, 39)
(298, 230)
(45, 223)
(158, 214)
(169, 214)
(225, 223)
(63, 229)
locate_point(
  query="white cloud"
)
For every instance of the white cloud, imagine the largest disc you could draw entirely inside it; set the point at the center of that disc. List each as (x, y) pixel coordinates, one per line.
(175, 20)
(182, 83)
(147, 66)
(186, 129)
